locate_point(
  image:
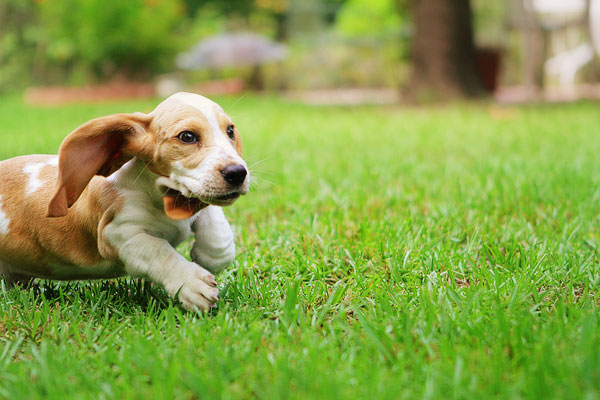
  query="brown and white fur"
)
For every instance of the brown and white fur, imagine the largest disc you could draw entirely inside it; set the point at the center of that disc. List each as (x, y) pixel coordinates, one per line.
(123, 192)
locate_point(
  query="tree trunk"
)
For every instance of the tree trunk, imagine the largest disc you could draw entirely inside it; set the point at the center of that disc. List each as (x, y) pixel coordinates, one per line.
(443, 51)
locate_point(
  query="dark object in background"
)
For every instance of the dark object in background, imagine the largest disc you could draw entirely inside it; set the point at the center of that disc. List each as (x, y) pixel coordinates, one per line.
(443, 51)
(488, 66)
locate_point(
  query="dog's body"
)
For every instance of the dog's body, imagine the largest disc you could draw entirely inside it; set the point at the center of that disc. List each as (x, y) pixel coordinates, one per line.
(174, 167)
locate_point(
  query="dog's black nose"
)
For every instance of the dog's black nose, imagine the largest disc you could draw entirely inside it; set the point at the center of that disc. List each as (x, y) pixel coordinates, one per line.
(234, 174)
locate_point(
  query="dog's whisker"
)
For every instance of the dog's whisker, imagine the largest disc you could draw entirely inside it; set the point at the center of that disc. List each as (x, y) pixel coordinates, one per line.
(266, 195)
(260, 171)
(236, 102)
(258, 162)
(142, 171)
(261, 180)
(257, 187)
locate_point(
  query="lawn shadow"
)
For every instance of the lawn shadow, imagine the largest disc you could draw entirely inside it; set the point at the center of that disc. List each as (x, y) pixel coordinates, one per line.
(123, 295)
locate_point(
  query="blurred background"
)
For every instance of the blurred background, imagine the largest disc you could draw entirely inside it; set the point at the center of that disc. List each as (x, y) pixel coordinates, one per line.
(316, 51)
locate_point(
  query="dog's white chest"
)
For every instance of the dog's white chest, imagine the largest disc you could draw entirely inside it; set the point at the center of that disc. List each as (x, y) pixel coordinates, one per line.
(139, 213)
(172, 231)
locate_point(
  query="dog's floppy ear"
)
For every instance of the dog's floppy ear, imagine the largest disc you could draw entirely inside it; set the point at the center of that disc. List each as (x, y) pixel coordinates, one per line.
(98, 147)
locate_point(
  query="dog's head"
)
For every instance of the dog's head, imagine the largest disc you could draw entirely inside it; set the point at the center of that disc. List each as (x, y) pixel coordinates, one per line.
(187, 140)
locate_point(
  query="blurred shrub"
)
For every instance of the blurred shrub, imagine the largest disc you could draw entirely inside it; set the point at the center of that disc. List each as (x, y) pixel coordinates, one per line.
(77, 41)
(369, 18)
(367, 46)
(133, 38)
(334, 62)
(18, 33)
(489, 21)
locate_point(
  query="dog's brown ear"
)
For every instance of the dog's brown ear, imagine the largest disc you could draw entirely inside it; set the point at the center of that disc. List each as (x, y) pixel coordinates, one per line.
(98, 147)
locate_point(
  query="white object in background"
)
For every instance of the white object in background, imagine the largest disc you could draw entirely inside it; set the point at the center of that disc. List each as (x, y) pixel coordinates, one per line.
(572, 53)
(566, 64)
(595, 24)
(559, 7)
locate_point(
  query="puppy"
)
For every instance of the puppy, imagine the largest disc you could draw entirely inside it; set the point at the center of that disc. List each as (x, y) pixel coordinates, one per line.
(123, 192)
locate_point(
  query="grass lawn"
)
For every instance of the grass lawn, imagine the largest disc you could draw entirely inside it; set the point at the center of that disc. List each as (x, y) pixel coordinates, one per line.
(385, 253)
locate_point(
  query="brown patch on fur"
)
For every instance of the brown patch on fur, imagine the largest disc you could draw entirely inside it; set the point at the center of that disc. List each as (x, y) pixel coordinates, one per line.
(224, 122)
(165, 127)
(238, 142)
(34, 243)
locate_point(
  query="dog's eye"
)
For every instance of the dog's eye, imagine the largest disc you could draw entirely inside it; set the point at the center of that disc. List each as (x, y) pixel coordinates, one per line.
(188, 137)
(231, 132)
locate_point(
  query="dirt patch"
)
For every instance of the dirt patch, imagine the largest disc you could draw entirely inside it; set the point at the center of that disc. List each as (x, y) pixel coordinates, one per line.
(110, 92)
(56, 95)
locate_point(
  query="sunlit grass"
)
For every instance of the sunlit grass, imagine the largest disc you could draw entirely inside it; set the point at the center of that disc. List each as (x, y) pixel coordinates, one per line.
(383, 253)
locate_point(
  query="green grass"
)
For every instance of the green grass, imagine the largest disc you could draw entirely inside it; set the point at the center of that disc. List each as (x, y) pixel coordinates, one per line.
(386, 253)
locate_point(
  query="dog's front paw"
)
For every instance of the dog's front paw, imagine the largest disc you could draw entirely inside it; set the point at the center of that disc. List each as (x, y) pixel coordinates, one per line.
(197, 288)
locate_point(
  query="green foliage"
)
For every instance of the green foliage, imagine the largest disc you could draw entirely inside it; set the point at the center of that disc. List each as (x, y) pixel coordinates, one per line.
(18, 34)
(369, 18)
(375, 37)
(367, 63)
(239, 7)
(384, 253)
(134, 37)
(489, 21)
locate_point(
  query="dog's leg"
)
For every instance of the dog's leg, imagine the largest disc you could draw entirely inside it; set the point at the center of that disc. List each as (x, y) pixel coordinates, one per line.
(214, 248)
(144, 255)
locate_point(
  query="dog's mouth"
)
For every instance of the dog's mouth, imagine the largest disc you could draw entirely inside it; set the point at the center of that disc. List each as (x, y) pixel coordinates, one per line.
(226, 197)
(178, 206)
